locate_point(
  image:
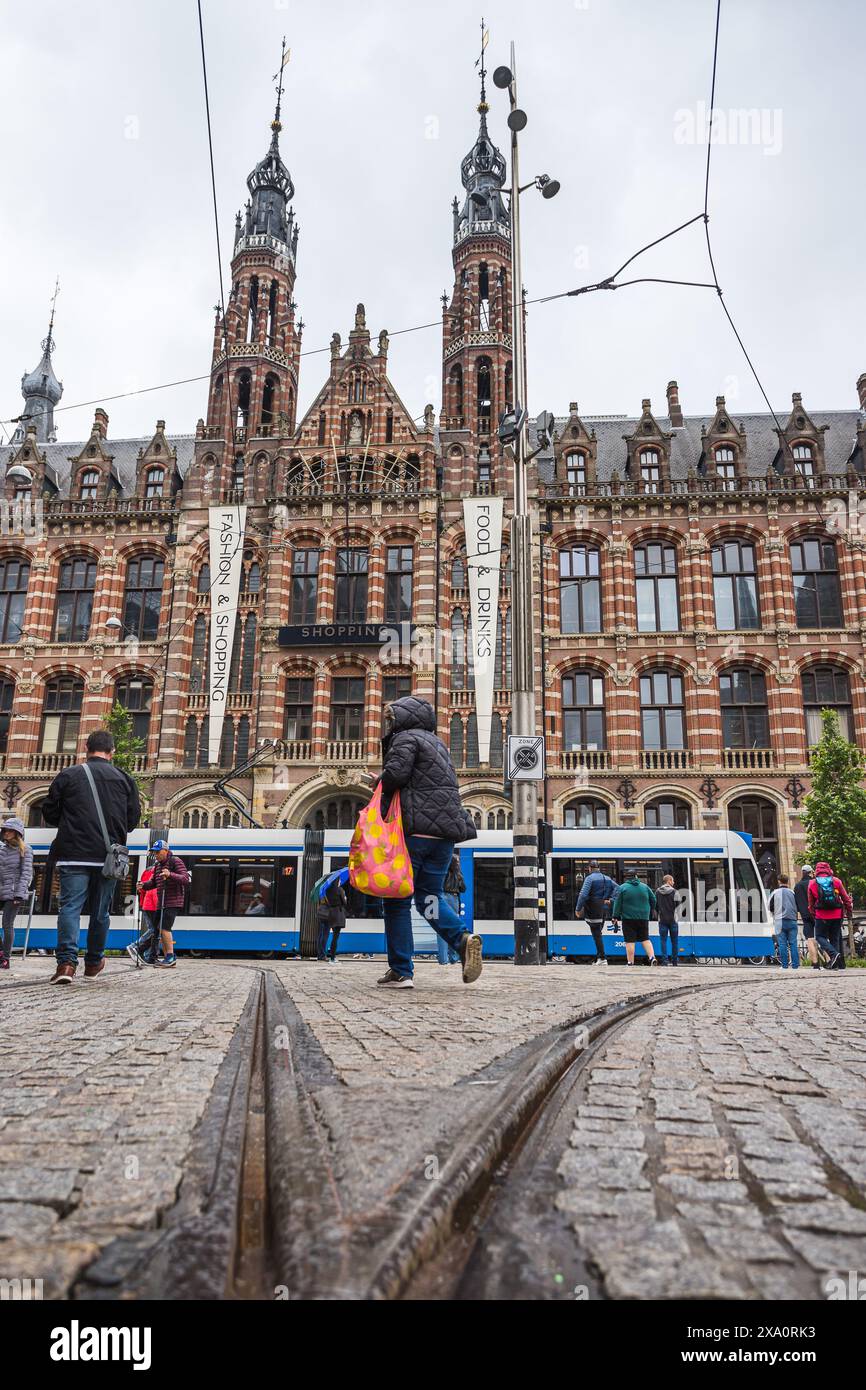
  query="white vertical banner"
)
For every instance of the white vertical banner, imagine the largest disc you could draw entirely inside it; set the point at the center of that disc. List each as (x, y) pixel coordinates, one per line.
(226, 535)
(482, 518)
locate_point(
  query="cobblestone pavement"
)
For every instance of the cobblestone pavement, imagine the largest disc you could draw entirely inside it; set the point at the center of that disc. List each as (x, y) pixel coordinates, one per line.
(444, 1030)
(718, 1146)
(103, 1084)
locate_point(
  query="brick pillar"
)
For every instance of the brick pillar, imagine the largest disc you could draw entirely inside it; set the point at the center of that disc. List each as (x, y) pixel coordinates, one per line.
(321, 709)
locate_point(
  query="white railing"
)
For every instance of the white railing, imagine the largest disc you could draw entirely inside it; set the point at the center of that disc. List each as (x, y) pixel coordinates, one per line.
(594, 759)
(50, 762)
(345, 751)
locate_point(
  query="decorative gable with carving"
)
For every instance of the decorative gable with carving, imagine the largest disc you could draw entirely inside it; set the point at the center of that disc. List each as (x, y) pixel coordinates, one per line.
(576, 453)
(648, 449)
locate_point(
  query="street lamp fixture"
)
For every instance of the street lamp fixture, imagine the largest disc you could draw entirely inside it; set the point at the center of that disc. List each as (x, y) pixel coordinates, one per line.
(19, 474)
(114, 623)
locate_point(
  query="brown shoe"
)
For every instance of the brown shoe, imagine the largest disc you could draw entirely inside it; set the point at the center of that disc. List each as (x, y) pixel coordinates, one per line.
(63, 975)
(91, 971)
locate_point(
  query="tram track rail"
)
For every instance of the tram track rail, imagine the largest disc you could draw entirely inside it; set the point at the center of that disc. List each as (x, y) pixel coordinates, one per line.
(259, 1213)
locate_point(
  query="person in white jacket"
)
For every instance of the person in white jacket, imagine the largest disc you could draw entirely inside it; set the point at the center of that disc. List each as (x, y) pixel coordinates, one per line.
(16, 873)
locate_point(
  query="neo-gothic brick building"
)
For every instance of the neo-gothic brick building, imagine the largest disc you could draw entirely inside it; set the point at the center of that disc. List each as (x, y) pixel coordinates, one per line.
(700, 579)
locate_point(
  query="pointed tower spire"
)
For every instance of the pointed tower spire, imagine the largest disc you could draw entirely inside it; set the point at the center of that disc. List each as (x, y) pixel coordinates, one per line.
(482, 172)
(41, 389)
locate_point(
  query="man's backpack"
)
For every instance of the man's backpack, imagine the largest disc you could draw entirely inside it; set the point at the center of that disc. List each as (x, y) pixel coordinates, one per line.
(827, 894)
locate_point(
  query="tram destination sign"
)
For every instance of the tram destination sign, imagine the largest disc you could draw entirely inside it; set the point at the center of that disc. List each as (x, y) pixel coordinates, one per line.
(346, 634)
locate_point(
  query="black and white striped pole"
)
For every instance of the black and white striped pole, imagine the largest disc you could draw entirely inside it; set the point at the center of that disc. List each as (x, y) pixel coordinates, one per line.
(513, 433)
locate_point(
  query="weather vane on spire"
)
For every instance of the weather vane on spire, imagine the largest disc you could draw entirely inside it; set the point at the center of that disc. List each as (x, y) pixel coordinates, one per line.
(479, 62)
(48, 343)
(285, 55)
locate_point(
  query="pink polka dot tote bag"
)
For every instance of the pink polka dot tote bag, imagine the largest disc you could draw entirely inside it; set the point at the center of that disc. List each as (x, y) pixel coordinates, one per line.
(379, 863)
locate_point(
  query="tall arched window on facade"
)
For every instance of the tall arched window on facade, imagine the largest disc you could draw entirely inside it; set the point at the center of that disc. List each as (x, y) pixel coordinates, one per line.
(827, 687)
(472, 752)
(817, 596)
(663, 722)
(7, 698)
(745, 721)
(74, 606)
(726, 467)
(575, 473)
(135, 693)
(455, 740)
(458, 650)
(458, 573)
(202, 585)
(14, 579)
(484, 395)
(190, 743)
(199, 663)
(735, 586)
(655, 567)
(650, 470)
(153, 483)
(143, 597)
(496, 741)
(580, 589)
(583, 711)
(61, 715)
(88, 487)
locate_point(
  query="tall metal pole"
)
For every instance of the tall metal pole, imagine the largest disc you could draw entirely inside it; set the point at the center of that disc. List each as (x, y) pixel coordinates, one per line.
(524, 794)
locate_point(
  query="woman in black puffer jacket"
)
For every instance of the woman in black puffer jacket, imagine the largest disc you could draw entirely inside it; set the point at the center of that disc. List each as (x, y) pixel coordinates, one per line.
(416, 763)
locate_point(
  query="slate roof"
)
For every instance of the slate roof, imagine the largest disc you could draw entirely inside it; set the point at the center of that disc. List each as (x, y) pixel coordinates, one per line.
(123, 451)
(762, 441)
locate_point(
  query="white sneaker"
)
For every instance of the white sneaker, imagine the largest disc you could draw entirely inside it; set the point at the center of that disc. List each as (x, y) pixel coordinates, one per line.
(399, 982)
(603, 961)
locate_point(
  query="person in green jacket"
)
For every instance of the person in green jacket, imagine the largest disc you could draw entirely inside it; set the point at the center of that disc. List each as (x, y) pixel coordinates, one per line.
(633, 905)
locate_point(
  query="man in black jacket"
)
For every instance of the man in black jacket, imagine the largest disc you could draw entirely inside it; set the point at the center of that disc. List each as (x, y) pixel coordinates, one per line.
(416, 763)
(80, 850)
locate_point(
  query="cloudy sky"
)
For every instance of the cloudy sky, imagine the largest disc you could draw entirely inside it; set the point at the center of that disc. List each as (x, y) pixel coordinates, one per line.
(107, 184)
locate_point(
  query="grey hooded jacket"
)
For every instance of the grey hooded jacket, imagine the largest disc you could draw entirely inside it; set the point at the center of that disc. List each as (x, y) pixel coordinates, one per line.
(416, 762)
(16, 870)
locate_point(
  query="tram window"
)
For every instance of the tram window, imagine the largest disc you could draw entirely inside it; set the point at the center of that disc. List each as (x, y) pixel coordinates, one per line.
(287, 887)
(709, 885)
(494, 889)
(748, 894)
(123, 897)
(357, 904)
(568, 876)
(209, 887)
(253, 894)
(40, 905)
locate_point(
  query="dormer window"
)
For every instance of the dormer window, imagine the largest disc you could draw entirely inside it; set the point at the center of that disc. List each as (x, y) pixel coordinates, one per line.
(726, 468)
(575, 472)
(650, 469)
(804, 463)
(153, 483)
(89, 486)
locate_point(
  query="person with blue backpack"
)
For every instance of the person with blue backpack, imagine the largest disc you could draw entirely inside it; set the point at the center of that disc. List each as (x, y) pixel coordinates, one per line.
(597, 892)
(828, 898)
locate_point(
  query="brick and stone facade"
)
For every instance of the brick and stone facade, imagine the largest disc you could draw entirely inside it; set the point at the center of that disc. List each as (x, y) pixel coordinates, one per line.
(673, 664)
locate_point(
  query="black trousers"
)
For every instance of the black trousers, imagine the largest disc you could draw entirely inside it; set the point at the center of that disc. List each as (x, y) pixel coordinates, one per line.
(833, 933)
(596, 926)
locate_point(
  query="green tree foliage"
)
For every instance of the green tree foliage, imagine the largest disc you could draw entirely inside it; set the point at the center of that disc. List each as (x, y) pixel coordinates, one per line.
(835, 809)
(127, 748)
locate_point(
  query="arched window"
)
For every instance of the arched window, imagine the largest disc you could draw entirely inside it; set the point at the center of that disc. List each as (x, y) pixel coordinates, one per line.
(252, 312)
(745, 723)
(456, 380)
(248, 659)
(14, 578)
(190, 743)
(298, 720)
(735, 586)
(88, 488)
(755, 816)
(270, 395)
(74, 606)
(320, 438)
(244, 386)
(583, 711)
(237, 478)
(350, 603)
(472, 756)
(575, 474)
(726, 467)
(667, 813)
(580, 589)
(7, 697)
(455, 740)
(200, 662)
(483, 299)
(484, 395)
(227, 743)
(663, 722)
(589, 813)
(153, 483)
(650, 469)
(389, 426)
(61, 715)
(804, 463)
(251, 578)
(203, 582)
(305, 586)
(204, 743)
(458, 650)
(398, 584)
(827, 687)
(817, 596)
(143, 597)
(496, 741)
(507, 649)
(135, 693)
(458, 573)
(655, 568)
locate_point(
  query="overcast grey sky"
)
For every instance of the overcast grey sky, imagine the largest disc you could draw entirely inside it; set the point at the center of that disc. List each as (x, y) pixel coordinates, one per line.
(107, 185)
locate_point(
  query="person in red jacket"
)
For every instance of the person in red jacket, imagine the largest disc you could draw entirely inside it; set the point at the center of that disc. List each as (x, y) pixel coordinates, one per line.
(828, 898)
(162, 902)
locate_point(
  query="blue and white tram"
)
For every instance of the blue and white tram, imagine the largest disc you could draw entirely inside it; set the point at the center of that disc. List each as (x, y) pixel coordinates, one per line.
(248, 889)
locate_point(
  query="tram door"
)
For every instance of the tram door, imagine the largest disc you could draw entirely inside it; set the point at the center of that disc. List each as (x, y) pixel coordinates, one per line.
(652, 872)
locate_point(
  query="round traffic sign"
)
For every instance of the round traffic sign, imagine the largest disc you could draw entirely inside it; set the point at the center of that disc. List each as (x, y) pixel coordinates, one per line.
(526, 758)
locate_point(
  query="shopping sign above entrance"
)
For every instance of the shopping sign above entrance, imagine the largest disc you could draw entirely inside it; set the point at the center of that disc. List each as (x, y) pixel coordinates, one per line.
(525, 761)
(346, 635)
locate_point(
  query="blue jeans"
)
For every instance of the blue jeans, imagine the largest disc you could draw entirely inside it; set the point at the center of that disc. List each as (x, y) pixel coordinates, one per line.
(786, 935)
(444, 953)
(673, 929)
(430, 862)
(80, 887)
